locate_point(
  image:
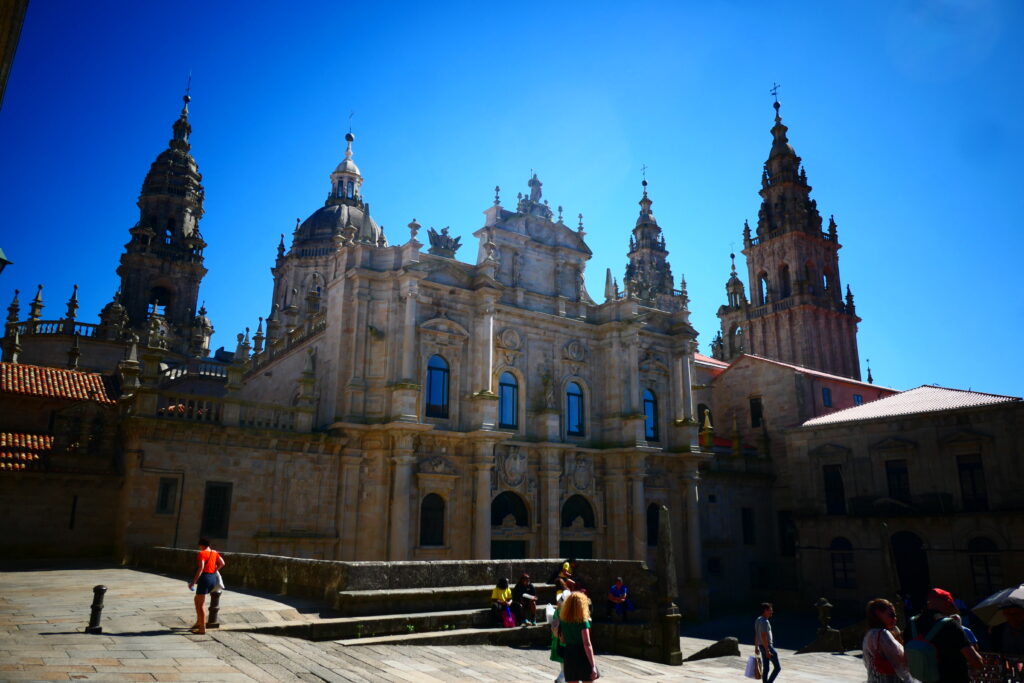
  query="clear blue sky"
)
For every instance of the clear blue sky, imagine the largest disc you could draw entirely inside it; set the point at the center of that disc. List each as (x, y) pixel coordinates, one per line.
(906, 113)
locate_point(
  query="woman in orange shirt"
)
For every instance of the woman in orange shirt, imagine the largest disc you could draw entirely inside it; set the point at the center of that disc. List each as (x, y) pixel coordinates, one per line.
(209, 563)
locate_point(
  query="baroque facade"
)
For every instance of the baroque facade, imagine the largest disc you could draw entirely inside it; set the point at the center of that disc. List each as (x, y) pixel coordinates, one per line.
(399, 403)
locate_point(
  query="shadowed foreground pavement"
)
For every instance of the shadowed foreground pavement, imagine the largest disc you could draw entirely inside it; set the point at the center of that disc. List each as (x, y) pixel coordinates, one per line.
(43, 613)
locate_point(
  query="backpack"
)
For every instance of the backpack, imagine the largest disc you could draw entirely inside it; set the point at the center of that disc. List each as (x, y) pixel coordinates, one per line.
(922, 655)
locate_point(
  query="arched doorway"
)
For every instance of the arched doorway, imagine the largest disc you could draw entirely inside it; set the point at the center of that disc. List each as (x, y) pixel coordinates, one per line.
(911, 563)
(510, 524)
(578, 526)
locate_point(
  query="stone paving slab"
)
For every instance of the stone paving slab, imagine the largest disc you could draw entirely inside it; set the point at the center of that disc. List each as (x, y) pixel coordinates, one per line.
(43, 614)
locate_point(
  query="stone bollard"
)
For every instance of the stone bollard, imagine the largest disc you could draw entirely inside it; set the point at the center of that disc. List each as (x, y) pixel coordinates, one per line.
(97, 610)
(211, 618)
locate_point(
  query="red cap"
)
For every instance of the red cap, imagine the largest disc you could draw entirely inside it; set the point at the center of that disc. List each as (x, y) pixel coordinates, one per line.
(939, 593)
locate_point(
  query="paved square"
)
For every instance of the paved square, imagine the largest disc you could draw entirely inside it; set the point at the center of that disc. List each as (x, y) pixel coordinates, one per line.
(43, 613)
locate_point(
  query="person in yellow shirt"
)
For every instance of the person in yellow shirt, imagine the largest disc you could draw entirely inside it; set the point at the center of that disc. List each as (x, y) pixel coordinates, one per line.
(501, 599)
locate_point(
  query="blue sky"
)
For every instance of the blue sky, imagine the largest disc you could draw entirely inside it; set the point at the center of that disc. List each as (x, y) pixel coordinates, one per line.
(906, 114)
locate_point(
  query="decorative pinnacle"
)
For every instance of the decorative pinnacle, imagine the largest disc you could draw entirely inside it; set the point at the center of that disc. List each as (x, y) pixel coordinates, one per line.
(559, 213)
(732, 257)
(579, 228)
(497, 198)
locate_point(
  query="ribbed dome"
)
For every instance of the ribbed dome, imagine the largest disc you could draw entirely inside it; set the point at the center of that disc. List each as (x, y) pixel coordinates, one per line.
(330, 220)
(348, 166)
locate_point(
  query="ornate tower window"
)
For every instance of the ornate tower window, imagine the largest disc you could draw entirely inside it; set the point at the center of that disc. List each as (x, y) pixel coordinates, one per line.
(574, 425)
(437, 388)
(508, 401)
(762, 288)
(650, 416)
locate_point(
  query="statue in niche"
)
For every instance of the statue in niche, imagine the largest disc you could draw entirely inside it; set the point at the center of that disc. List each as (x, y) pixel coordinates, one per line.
(580, 285)
(517, 268)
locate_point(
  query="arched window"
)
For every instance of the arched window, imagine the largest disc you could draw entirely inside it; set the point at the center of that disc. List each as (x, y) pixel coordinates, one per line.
(574, 425)
(826, 277)
(575, 508)
(432, 520)
(351, 189)
(842, 563)
(507, 503)
(650, 416)
(653, 518)
(985, 568)
(508, 401)
(762, 288)
(736, 341)
(810, 278)
(785, 286)
(437, 387)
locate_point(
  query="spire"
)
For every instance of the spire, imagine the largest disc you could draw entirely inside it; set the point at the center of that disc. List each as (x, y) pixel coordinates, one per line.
(14, 310)
(73, 304)
(648, 272)
(609, 286)
(871, 380)
(646, 215)
(346, 181)
(36, 307)
(182, 128)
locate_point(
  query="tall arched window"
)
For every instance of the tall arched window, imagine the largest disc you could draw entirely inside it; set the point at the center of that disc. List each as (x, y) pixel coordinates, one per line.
(351, 190)
(577, 507)
(653, 519)
(842, 563)
(432, 520)
(574, 425)
(785, 286)
(437, 387)
(508, 401)
(650, 416)
(736, 341)
(762, 288)
(985, 569)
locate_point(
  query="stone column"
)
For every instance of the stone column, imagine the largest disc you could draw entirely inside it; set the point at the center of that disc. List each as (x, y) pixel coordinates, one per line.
(638, 508)
(615, 485)
(633, 373)
(409, 334)
(347, 511)
(686, 390)
(550, 511)
(693, 536)
(482, 468)
(398, 548)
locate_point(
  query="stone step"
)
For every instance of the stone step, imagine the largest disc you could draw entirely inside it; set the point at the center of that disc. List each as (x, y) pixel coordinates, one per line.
(418, 600)
(521, 635)
(378, 625)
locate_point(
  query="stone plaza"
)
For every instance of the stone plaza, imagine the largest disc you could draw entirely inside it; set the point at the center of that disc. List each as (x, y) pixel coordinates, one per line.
(43, 613)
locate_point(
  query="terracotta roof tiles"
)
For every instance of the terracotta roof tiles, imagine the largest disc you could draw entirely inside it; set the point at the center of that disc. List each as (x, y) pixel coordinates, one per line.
(19, 452)
(35, 380)
(924, 399)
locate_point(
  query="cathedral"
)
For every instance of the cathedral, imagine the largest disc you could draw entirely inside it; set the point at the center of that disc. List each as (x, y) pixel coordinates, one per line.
(401, 403)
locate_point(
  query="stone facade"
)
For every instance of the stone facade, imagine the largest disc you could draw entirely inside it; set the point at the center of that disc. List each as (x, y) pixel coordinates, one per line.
(915, 501)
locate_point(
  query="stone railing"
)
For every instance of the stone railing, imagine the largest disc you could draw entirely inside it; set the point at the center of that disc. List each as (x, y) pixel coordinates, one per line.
(296, 336)
(225, 411)
(69, 327)
(196, 368)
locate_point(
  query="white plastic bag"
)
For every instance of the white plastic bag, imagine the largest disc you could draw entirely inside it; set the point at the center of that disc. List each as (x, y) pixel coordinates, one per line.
(753, 667)
(548, 612)
(220, 584)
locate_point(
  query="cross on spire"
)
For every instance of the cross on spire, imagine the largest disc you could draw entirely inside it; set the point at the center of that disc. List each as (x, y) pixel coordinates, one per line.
(775, 91)
(351, 113)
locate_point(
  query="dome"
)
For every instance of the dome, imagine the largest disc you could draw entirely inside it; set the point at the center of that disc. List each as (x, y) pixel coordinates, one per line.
(330, 220)
(348, 166)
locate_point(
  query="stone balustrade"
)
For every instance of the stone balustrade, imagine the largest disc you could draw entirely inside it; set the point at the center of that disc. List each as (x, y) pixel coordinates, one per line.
(224, 411)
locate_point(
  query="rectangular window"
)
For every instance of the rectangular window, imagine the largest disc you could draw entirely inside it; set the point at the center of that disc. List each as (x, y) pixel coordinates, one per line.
(858, 399)
(747, 515)
(508, 403)
(842, 570)
(972, 483)
(216, 509)
(574, 412)
(835, 494)
(826, 397)
(755, 412)
(167, 496)
(899, 480)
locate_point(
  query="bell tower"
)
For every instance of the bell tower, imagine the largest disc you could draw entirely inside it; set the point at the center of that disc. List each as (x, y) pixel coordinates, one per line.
(797, 312)
(162, 265)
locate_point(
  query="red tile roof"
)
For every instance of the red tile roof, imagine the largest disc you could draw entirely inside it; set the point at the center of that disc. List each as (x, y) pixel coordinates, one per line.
(35, 380)
(23, 451)
(924, 399)
(708, 360)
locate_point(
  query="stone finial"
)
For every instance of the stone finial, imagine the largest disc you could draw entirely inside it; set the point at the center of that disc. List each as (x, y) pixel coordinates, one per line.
(73, 304)
(497, 195)
(257, 339)
(14, 350)
(609, 285)
(559, 213)
(36, 307)
(74, 354)
(280, 247)
(14, 309)
(579, 228)
(414, 229)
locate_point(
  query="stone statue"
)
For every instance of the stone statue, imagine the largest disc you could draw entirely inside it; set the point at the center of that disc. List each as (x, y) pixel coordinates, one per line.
(580, 285)
(517, 268)
(535, 190)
